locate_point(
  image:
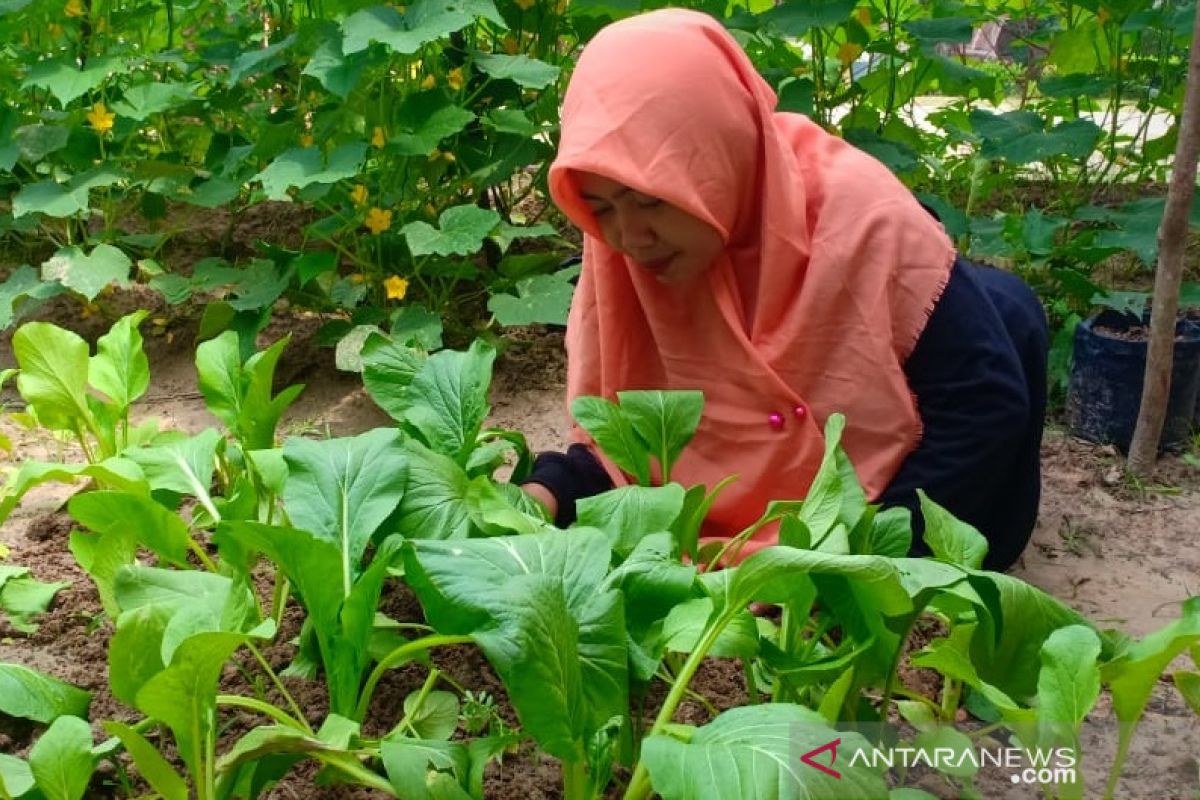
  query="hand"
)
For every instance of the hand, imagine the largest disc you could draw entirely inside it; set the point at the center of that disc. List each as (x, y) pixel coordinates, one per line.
(542, 495)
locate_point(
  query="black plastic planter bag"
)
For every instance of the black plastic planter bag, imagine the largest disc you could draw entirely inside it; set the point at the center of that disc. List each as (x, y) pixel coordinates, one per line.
(1106, 381)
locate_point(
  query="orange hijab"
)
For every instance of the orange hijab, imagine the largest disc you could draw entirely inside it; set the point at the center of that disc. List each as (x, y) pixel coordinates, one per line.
(829, 273)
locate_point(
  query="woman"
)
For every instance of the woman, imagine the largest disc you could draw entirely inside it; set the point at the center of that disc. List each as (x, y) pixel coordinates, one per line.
(787, 275)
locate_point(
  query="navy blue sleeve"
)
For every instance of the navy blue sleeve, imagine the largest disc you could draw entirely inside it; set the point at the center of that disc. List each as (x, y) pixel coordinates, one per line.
(975, 386)
(570, 476)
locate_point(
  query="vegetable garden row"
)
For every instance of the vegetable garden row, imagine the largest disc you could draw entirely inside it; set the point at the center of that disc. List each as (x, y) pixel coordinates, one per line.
(577, 624)
(417, 139)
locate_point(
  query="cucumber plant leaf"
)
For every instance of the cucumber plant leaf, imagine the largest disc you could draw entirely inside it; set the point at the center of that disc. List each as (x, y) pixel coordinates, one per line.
(461, 231)
(88, 273)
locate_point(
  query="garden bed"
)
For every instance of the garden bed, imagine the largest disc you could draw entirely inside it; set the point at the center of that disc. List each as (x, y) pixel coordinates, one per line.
(1117, 552)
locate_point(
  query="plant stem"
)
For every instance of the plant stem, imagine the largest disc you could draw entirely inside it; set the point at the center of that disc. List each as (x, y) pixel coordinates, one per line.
(195, 547)
(424, 693)
(266, 709)
(575, 782)
(398, 656)
(639, 785)
(287, 696)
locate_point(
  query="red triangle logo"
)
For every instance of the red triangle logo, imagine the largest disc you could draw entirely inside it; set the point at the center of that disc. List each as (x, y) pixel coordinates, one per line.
(807, 758)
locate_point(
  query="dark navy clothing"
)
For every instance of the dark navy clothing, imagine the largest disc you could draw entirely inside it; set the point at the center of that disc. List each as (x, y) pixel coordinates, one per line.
(978, 372)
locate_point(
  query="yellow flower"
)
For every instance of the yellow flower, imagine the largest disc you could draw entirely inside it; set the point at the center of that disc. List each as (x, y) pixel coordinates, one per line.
(455, 79)
(395, 287)
(525, 5)
(428, 82)
(378, 138)
(101, 118)
(359, 195)
(511, 45)
(448, 156)
(74, 8)
(848, 52)
(306, 140)
(863, 15)
(378, 220)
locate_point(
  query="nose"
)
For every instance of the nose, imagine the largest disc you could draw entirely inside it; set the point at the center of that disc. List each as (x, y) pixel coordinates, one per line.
(634, 231)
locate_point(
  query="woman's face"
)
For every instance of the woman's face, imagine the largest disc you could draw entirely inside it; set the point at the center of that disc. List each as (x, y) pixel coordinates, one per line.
(661, 238)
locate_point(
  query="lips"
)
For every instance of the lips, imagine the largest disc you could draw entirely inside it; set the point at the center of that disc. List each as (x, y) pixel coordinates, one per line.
(657, 264)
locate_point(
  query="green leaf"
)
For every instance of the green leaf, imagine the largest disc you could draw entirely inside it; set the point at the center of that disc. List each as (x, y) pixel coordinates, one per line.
(1007, 653)
(629, 513)
(665, 420)
(534, 603)
(89, 273)
(65, 80)
(447, 399)
(526, 72)
(796, 19)
(1131, 677)
(424, 22)
(425, 119)
(435, 503)
(183, 696)
(120, 368)
(183, 466)
(505, 234)
(61, 760)
(150, 764)
(31, 695)
(461, 231)
(35, 142)
(23, 598)
(49, 198)
(388, 369)
(53, 377)
(1188, 684)
(337, 73)
(15, 776)
(125, 516)
(540, 300)
(1020, 136)
(301, 167)
(258, 59)
(22, 293)
(755, 751)
(240, 395)
(687, 623)
(1068, 684)
(612, 431)
(929, 32)
(198, 601)
(950, 538)
(437, 715)
(415, 766)
(117, 472)
(342, 490)
(146, 99)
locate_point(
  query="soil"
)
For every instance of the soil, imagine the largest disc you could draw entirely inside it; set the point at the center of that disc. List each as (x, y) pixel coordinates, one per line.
(1122, 553)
